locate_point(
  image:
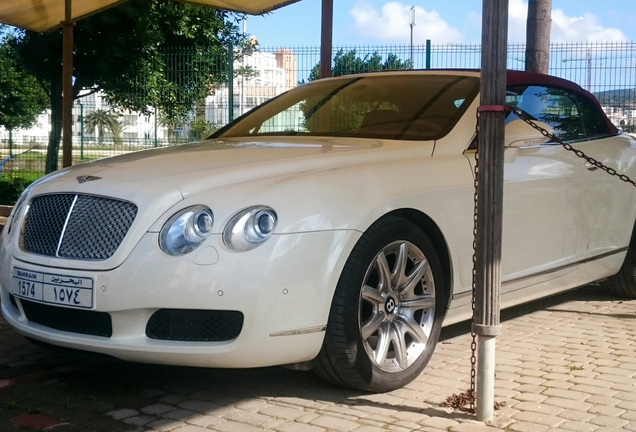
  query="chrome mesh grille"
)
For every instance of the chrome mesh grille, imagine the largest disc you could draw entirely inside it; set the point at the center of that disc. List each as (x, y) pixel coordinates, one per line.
(83, 227)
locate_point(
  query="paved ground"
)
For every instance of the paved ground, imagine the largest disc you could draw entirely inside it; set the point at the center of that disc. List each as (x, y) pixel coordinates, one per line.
(563, 364)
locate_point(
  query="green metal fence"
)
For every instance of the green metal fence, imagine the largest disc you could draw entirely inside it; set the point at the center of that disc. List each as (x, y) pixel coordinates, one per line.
(606, 69)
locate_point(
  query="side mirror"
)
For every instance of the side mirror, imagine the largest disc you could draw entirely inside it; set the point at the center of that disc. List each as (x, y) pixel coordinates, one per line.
(521, 134)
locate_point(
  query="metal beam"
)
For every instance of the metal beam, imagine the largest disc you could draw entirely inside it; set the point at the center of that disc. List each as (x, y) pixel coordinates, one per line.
(326, 38)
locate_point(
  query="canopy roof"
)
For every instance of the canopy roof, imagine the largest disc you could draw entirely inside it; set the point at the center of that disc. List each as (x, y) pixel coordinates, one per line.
(45, 15)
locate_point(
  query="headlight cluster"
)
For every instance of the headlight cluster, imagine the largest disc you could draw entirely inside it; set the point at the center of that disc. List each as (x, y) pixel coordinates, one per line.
(186, 230)
(189, 228)
(249, 228)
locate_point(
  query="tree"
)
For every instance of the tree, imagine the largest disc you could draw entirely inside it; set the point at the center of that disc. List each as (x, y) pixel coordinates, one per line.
(349, 63)
(538, 35)
(102, 120)
(22, 98)
(124, 52)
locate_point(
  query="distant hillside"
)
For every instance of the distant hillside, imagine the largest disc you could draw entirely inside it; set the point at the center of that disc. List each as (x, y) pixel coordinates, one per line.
(620, 97)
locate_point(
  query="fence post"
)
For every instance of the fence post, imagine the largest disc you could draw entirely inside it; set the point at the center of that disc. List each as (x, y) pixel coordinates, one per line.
(11, 142)
(428, 53)
(230, 81)
(156, 114)
(81, 131)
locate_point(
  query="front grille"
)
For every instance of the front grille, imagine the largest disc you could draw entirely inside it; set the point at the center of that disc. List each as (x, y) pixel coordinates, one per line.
(194, 325)
(83, 227)
(69, 320)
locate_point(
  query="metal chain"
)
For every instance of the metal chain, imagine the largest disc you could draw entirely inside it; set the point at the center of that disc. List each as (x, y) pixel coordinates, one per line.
(469, 397)
(611, 171)
(459, 401)
(472, 395)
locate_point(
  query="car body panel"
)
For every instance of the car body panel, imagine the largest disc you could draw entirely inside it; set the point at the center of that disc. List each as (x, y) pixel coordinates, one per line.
(564, 225)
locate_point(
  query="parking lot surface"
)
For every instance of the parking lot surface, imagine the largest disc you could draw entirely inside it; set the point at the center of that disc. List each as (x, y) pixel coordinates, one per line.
(567, 363)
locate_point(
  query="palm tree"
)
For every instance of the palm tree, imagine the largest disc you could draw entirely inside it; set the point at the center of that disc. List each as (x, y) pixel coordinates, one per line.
(102, 120)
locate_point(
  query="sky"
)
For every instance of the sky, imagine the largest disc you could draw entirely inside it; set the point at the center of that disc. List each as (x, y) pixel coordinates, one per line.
(380, 22)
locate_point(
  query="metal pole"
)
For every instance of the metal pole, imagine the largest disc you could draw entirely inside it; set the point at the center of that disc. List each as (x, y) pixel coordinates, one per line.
(81, 131)
(326, 38)
(230, 81)
(486, 323)
(412, 23)
(67, 86)
(156, 119)
(428, 53)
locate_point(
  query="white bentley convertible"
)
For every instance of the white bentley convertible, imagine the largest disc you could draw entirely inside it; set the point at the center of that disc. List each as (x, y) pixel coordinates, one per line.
(330, 227)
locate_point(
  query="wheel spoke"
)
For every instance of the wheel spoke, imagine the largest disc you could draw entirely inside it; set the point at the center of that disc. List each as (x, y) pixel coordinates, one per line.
(419, 303)
(398, 276)
(414, 329)
(399, 346)
(372, 295)
(372, 324)
(384, 272)
(414, 278)
(382, 348)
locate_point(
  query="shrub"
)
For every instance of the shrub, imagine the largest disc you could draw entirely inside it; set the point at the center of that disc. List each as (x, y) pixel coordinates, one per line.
(10, 189)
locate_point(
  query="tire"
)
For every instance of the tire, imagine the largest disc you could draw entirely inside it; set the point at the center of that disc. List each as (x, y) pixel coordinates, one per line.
(387, 310)
(623, 283)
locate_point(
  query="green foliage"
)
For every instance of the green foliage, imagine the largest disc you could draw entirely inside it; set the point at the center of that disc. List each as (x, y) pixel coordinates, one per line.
(10, 189)
(122, 52)
(200, 128)
(22, 98)
(351, 63)
(101, 121)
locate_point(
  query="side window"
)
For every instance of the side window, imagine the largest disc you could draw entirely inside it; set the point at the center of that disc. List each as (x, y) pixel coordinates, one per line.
(594, 119)
(572, 116)
(553, 106)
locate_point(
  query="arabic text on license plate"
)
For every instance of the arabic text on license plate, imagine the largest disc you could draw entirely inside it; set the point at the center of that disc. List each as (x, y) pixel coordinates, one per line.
(51, 288)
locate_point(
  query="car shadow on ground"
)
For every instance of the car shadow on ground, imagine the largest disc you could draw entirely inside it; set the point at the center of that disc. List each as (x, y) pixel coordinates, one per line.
(71, 384)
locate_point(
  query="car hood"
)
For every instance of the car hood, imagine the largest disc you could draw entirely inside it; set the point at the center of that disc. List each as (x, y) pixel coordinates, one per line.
(226, 175)
(187, 169)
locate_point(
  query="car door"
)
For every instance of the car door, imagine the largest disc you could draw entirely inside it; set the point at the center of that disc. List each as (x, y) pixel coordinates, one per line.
(599, 208)
(539, 242)
(534, 205)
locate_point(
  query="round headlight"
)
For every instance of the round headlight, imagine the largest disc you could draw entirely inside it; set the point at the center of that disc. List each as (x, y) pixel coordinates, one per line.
(186, 230)
(265, 223)
(249, 228)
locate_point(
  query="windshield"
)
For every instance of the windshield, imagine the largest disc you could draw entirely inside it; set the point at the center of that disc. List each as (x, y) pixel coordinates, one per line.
(409, 107)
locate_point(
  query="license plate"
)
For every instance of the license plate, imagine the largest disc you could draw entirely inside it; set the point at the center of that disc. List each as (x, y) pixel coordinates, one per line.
(52, 288)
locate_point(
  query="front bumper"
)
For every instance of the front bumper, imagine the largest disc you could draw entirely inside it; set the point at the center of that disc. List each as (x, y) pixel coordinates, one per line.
(283, 289)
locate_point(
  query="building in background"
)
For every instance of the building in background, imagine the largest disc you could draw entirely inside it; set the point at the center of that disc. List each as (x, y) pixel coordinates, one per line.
(257, 78)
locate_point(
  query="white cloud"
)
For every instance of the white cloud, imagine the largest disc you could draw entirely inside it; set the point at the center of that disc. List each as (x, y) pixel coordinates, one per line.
(517, 17)
(392, 24)
(584, 28)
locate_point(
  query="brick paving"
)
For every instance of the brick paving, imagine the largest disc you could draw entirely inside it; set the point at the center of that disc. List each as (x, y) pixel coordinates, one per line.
(563, 364)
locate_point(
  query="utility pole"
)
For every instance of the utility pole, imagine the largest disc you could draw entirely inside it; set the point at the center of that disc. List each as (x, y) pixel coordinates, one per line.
(486, 324)
(326, 38)
(412, 23)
